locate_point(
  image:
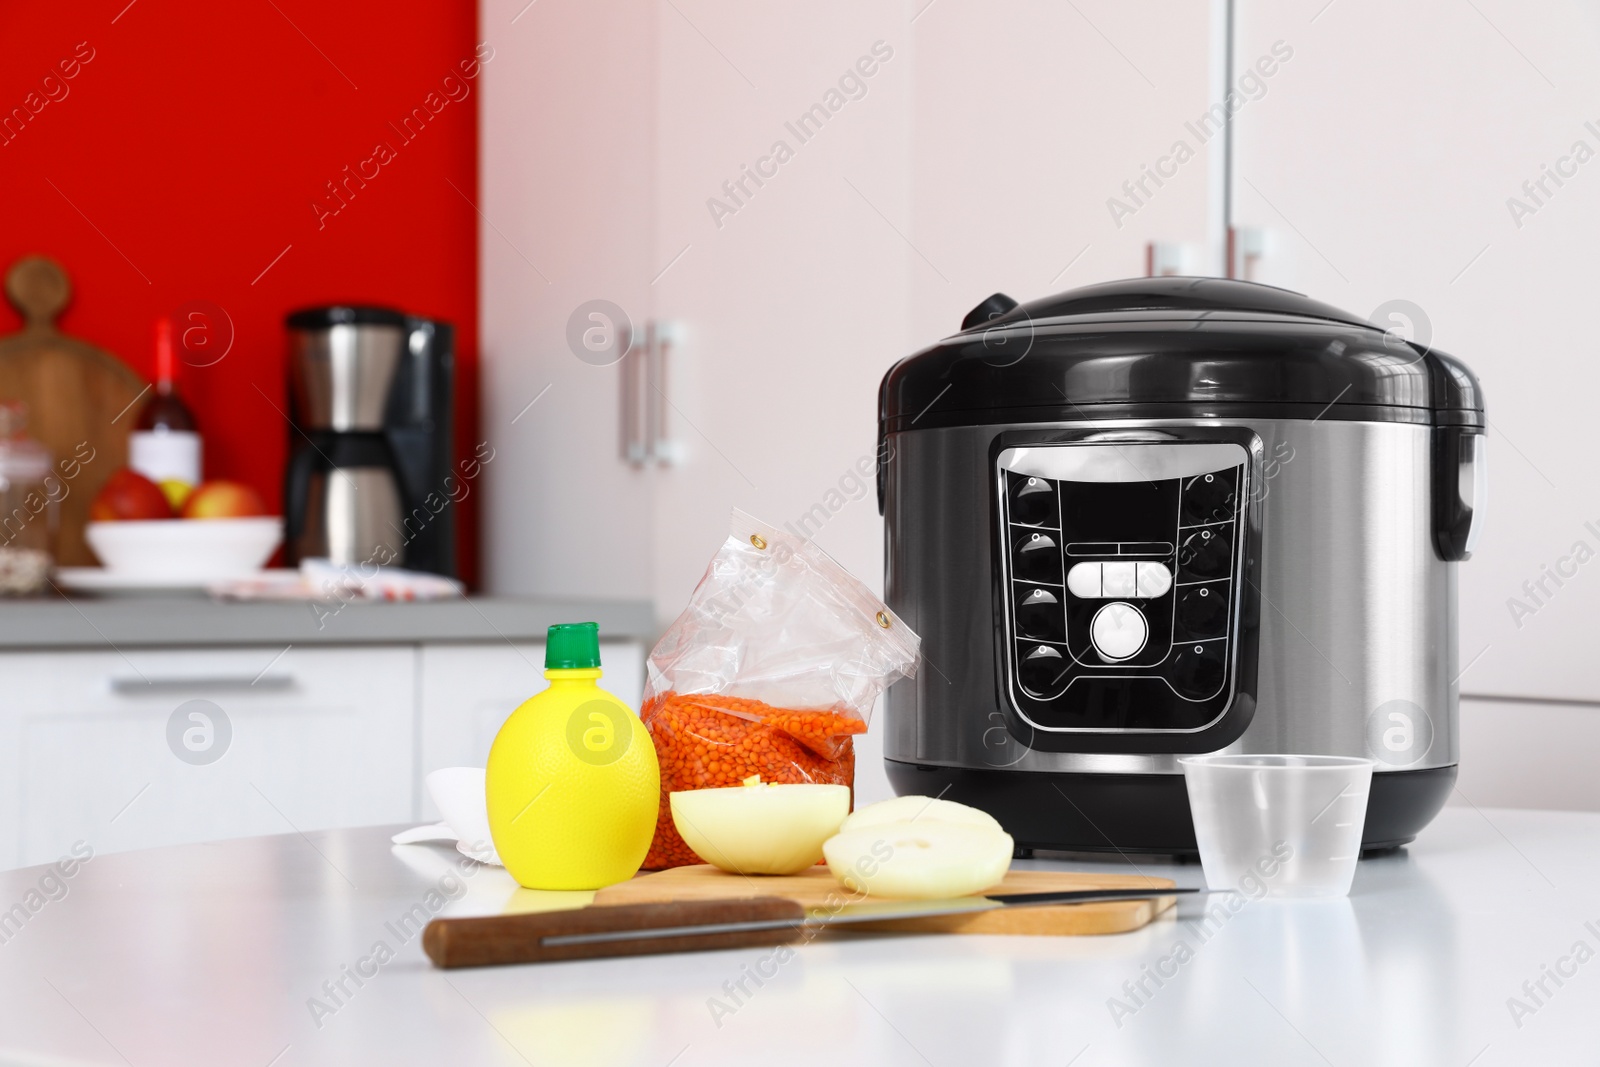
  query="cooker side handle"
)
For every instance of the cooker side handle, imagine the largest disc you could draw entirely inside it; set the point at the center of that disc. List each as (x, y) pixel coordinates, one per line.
(883, 468)
(1460, 490)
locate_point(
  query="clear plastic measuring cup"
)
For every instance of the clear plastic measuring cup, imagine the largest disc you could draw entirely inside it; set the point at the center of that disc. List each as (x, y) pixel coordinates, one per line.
(1279, 826)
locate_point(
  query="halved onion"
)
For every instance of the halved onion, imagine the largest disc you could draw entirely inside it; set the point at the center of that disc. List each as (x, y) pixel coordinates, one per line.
(760, 829)
(922, 860)
(918, 809)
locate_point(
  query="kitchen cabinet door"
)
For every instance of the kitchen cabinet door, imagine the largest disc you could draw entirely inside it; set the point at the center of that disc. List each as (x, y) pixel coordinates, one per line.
(808, 192)
(745, 172)
(1528, 754)
(1053, 142)
(910, 160)
(466, 692)
(151, 748)
(1433, 162)
(565, 218)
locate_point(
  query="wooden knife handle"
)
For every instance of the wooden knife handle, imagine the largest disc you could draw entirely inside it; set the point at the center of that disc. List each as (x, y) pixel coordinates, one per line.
(495, 939)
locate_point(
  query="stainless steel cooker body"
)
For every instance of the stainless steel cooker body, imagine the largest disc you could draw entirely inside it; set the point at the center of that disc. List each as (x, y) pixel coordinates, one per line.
(1355, 611)
(1166, 516)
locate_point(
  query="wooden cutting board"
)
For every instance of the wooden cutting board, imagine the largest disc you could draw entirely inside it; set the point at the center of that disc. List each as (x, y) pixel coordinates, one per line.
(817, 888)
(80, 400)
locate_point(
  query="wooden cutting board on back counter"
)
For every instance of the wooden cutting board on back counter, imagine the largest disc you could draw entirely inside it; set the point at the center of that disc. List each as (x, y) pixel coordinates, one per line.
(817, 888)
(81, 400)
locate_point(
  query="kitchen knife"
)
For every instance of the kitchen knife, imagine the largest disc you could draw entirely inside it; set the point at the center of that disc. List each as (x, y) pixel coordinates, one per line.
(694, 925)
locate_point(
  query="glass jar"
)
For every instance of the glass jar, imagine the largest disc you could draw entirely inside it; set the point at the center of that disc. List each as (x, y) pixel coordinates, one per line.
(28, 506)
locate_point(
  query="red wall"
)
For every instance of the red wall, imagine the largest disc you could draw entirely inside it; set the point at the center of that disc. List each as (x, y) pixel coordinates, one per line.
(186, 155)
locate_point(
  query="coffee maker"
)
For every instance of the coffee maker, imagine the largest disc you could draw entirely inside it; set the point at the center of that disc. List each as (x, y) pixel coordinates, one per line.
(371, 397)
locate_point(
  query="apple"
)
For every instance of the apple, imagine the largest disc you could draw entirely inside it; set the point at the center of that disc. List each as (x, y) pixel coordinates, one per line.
(223, 500)
(177, 491)
(128, 494)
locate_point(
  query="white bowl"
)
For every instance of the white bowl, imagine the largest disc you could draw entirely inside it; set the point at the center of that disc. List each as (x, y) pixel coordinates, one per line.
(185, 549)
(458, 793)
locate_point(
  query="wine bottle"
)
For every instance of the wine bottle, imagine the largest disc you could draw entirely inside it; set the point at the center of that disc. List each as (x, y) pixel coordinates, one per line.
(165, 443)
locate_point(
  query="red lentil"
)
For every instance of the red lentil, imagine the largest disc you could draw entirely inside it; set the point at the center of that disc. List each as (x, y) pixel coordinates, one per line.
(704, 741)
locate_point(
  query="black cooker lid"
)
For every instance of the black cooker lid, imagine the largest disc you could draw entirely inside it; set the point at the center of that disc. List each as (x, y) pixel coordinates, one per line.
(1174, 348)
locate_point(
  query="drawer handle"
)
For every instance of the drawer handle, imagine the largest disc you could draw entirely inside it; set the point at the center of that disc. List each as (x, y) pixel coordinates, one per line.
(156, 683)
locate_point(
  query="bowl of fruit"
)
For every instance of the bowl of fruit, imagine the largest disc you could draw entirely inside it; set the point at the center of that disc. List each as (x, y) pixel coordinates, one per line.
(218, 530)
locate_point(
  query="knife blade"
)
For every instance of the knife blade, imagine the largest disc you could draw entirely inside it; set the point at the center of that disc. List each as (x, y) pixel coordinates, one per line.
(693, 925)
(882, 911)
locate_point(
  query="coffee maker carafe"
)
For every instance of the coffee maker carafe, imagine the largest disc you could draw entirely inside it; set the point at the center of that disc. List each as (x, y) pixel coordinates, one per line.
(371, 394)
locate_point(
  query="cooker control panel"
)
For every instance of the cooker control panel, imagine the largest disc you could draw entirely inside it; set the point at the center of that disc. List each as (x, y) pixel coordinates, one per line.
(1121, 566)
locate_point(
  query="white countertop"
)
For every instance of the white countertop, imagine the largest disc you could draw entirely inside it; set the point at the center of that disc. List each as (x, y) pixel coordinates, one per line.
(211, 954)
(188, 621)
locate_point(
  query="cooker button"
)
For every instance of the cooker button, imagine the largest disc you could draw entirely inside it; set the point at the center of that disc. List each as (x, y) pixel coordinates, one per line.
(1039, 616)
(1038, 559)
(1203, 610)
(1209, 497)
(1116, 579)
(1199, 670)
(1033, 501)
(1118, 632)
(1042, 670)
(1083, 581)
(1154, 580)
(1205, 553)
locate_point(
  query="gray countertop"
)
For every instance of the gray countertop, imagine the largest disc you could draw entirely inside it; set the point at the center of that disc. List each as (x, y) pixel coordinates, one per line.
(179, 621)
(303, 949)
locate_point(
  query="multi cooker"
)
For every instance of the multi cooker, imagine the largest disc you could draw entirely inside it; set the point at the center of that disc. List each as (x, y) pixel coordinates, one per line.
(1167, 516)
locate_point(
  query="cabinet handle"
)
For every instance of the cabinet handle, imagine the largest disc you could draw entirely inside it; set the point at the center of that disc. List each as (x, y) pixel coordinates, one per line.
(631, 416)
(167, 683)
(644, 440)
(655, 417)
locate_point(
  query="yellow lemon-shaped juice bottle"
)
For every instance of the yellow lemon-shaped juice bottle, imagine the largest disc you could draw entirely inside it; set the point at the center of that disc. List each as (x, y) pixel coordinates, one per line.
(573, 784)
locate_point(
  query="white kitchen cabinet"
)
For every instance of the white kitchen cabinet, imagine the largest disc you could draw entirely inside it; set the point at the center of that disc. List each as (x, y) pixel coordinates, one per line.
(791, 293)
(1385, 163)
(1399, 157)
(1528, 754)
(1382, 151)
(315, 738)
(605, 168)
(320, 737)
(1039, 130)
(315, 723)
(466, 692)
(623, 174)
(567, 137)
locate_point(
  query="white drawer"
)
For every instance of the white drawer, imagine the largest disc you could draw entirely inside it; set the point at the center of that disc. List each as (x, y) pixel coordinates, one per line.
(1532, 754)
(319, 738)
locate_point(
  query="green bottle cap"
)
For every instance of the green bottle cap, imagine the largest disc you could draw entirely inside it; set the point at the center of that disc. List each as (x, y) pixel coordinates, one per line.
(572, 646)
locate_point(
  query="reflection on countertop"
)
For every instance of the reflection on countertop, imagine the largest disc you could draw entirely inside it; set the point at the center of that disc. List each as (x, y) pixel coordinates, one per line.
(214, 953)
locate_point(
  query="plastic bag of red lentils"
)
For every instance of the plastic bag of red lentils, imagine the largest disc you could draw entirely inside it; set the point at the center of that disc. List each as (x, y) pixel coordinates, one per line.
(772, 669)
